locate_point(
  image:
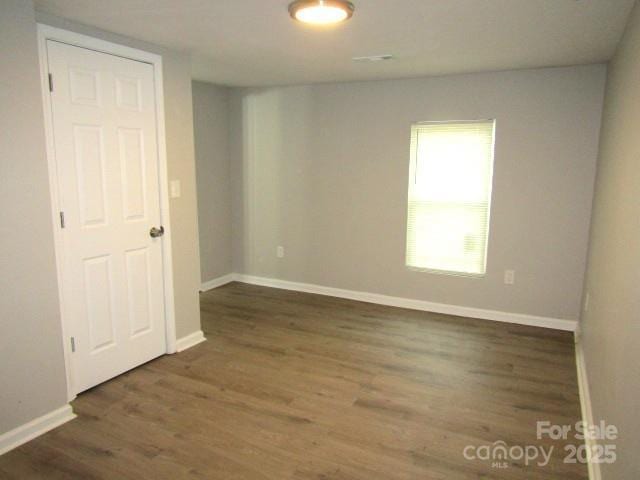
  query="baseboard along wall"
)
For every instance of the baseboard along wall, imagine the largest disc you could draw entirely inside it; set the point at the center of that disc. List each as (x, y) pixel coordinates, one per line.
(36, 427)
(217, 282)
(30, 430)
(585, 406)
(189, 341)
(412, 304)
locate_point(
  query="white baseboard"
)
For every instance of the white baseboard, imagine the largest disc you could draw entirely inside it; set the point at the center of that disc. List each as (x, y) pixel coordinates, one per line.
(495, 315)
(190, 341)
(585, 406)
(36, 427)
(217, 282)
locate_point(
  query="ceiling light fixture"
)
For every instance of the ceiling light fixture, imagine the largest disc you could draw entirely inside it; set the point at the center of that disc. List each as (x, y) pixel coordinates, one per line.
(321, 12)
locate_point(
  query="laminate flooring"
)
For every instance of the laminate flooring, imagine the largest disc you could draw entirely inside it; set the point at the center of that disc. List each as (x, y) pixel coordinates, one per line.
(299, 386)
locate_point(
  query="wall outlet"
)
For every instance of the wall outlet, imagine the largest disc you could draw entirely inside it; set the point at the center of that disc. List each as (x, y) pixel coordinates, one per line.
(280, 251)
(174, 189)
(509, 277)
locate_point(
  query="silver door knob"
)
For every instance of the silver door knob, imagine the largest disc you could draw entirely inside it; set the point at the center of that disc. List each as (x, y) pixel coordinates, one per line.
(156, 232)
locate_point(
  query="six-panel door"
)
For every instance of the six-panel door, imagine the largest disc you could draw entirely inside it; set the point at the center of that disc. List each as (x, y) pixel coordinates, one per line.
(104, 119)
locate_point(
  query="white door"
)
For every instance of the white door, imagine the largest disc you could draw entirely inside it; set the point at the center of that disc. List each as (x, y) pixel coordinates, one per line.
(104, 123)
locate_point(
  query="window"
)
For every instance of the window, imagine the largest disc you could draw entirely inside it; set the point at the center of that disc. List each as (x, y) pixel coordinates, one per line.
(450, 196)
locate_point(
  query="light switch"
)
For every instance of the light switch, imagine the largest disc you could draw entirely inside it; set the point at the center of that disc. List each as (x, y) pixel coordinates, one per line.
(174, 188)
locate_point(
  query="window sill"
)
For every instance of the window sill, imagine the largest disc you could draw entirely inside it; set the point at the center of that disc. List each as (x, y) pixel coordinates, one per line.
(447, 272)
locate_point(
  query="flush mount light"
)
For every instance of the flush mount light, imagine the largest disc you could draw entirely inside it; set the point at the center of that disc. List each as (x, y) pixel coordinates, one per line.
(321, 12)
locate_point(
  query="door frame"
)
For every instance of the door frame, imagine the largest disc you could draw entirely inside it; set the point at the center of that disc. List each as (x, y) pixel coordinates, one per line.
(45, 33)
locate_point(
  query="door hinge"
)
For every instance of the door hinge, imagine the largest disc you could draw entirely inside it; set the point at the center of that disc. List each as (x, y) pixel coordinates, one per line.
(50, 82)
(62, 220)
(73, 345)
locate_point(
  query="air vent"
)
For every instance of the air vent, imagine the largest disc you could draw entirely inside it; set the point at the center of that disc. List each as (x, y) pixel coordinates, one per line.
(373, 58)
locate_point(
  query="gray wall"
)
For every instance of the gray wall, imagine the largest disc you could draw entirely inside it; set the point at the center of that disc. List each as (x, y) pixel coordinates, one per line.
(31, 359)
(611, 325)
(178, 104)
(323, 171)
(213, 175)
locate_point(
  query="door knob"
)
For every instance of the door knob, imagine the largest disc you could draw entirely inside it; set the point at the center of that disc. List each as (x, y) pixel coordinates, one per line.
(156, 232)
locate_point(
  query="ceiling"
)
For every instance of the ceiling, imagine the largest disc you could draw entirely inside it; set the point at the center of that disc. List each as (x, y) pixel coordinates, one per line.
(255, 43)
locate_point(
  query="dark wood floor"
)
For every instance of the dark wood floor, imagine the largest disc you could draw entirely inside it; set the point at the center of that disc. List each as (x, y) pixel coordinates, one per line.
(299, 386)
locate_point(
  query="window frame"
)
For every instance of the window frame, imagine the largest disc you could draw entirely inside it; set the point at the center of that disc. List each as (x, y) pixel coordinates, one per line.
(413, 163)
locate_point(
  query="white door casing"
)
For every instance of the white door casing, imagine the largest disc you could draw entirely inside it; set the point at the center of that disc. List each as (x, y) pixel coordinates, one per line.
(108, 174)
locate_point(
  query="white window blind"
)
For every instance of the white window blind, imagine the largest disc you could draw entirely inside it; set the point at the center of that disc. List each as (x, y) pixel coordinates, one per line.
(450, 196)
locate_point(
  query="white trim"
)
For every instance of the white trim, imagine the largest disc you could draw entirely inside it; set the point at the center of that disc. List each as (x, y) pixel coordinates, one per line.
(217, 282)
(190, 340)
(53, 184)
(46, 32)
(36, 427)
(495, 315)
(585, 406)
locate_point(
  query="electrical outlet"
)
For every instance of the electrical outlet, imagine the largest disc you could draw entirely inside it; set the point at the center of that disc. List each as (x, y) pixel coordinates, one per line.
(509, 277)
(280, 251)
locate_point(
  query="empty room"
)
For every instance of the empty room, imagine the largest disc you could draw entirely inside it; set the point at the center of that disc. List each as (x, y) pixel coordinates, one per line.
(320, 239)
